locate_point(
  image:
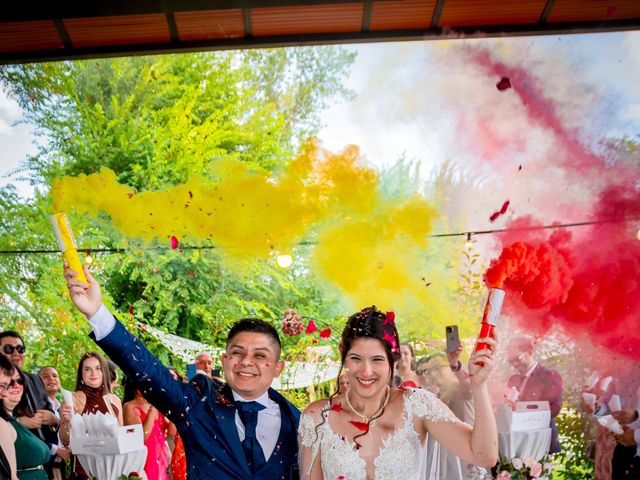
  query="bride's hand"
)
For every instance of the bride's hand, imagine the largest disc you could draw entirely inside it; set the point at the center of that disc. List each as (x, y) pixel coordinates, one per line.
(480, 373)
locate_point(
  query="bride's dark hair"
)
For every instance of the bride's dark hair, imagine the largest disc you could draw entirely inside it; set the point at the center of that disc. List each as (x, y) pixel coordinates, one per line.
(369, 323)
(372, 323)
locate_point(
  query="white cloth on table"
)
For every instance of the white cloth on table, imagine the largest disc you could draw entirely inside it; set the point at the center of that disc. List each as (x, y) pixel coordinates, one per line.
(524, 444)
(111, 466)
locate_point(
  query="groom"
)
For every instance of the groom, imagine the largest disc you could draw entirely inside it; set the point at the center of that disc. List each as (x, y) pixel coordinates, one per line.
(240, 430)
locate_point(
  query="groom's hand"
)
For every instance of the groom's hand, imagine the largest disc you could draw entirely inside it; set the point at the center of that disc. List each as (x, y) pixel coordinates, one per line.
(85, 296)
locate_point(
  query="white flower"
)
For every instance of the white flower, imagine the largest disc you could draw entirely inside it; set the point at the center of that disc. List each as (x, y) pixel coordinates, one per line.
(517, 463)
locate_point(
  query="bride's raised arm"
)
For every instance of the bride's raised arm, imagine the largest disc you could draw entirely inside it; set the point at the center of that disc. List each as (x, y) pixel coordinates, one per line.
(478, 444)
(309, 441)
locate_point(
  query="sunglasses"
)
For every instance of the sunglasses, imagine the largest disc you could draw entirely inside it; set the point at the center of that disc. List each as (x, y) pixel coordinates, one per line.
(9, 349)
(12, 383)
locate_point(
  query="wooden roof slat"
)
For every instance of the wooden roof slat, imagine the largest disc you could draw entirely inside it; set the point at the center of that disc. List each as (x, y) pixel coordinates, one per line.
(118, 30)
(210, 25)
(579, 10)
(457, 13)
(402, 14)
(307, 19)
(27, 36)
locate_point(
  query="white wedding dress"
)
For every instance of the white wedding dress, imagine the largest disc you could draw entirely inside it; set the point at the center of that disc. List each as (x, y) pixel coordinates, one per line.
(402, 455)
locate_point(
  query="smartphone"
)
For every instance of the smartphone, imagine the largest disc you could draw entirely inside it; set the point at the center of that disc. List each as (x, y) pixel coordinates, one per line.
(453, 340)
(215, 372)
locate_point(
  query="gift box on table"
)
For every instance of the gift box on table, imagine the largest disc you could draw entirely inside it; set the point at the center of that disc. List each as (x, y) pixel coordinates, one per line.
(100, 434)
(523, 416)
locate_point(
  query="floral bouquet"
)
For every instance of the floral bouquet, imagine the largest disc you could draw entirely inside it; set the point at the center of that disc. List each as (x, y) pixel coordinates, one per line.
(131, 476)
(524, 469)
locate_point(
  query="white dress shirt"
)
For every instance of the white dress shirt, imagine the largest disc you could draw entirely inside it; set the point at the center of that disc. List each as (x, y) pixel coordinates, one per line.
(268, 427)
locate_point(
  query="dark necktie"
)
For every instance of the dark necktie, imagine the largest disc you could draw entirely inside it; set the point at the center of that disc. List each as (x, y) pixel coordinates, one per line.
(248, 412)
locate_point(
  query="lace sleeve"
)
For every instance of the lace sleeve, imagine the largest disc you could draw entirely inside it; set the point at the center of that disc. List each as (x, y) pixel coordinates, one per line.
(425, 404)
(309, 446)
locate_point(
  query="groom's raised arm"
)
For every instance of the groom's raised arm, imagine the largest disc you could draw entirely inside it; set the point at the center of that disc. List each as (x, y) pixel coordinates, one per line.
(154, 380)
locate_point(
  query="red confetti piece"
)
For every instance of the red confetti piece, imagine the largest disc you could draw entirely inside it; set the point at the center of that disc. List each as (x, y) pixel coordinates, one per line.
(311, 327)
(360, 425)
(190, 194)
(191, 274)
(130, 309)
(503, 84)
(325, 333)
(502, 211)
(336, 407)
(174, 242)
(390, 317)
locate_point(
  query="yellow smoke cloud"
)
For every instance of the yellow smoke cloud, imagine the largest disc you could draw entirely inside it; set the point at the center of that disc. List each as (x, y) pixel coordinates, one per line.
(368, 246)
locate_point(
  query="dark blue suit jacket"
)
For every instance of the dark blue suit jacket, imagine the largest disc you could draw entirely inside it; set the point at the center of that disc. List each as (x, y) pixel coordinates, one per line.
(204, 415)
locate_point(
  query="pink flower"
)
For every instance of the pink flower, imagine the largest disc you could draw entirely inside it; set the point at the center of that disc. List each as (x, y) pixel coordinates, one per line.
(504, 475)
(529, 462)
(517, 463)
(536, 470)
(174, 242)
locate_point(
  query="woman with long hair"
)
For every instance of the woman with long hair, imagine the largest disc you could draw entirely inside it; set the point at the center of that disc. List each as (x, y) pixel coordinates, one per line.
(155, 427)
(91, 395)
(29, 453)
(406, 367)
(374, 431)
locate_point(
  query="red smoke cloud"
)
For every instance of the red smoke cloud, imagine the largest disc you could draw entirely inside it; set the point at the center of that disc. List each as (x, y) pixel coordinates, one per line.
(587, 280)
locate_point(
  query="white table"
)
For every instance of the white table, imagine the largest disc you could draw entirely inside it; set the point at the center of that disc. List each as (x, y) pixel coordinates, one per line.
(526, 443)
(111, 466)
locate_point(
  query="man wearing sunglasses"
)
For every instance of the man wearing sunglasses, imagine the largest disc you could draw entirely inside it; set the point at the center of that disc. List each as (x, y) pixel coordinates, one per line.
(44, 423)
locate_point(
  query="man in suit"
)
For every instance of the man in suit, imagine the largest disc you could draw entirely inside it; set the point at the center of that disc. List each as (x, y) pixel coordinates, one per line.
(240, 430)
(44, 424)
(57, 467)
(535, 382)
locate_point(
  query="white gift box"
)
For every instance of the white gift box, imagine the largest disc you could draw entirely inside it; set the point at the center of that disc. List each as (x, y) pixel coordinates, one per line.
(525, 416)
(100, 434)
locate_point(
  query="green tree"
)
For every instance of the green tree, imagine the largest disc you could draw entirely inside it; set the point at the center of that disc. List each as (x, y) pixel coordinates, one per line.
(156, 121)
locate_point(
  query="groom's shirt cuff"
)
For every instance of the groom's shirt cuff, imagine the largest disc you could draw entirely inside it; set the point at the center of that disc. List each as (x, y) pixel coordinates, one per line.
(102, 322)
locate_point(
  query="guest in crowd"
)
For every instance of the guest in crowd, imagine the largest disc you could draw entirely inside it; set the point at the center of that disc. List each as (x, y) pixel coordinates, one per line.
(7, 432)
(240, 430)
(406, 367)
(204, 364)
(343, 382)
(57, 467)
(155, 427)
(178, 466)
(31, 453)
(618, 456)
(535, 382)
(43, 423)
(113, 375)
(91, 395)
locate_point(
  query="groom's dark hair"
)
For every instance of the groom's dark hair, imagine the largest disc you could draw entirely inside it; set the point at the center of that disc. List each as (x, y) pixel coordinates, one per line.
(255, 325)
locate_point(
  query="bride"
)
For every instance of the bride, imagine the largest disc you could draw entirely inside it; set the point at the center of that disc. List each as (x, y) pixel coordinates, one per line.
(373, 431)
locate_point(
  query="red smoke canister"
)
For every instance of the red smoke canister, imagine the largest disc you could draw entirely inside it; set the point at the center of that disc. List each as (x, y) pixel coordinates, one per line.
(490, 317)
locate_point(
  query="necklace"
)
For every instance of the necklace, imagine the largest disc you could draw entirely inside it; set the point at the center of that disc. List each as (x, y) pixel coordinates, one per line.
(364, 418)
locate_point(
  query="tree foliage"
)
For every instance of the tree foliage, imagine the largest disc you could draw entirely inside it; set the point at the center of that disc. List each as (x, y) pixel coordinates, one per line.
(156, 121)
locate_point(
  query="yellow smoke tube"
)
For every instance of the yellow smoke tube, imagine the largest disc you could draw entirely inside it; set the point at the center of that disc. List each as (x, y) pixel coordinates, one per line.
(67, 243)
